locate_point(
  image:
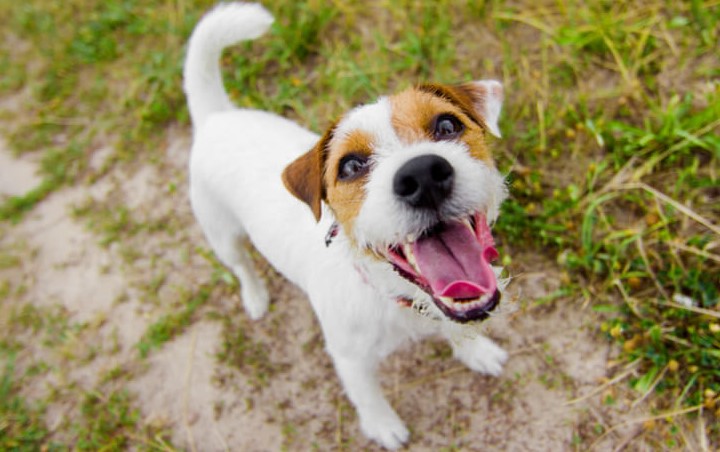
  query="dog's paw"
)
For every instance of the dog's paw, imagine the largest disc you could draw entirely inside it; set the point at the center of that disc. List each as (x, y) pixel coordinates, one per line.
(256, 301)
(387, 429)
(481, 355)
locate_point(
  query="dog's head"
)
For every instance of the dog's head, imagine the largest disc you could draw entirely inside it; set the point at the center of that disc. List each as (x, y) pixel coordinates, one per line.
(411, 182)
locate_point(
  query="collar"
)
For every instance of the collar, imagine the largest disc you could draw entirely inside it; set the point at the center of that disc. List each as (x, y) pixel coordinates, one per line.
(331, 234)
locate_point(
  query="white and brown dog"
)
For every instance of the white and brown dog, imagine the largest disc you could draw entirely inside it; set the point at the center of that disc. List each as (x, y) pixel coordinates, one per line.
(395, 244)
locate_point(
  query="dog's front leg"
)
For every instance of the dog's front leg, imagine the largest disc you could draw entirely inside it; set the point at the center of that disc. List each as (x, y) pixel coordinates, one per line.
(378, 420)
(479, 353)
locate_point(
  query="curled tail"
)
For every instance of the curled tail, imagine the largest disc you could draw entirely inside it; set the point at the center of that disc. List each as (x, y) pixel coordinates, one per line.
(225, 25)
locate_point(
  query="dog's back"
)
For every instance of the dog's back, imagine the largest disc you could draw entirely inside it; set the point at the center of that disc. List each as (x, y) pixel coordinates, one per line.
(237, 159)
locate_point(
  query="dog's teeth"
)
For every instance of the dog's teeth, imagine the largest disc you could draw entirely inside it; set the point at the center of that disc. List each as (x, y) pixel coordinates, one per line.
(411, 238)
(466, 305)
(407, 249)
(466, 222)
(447, 300)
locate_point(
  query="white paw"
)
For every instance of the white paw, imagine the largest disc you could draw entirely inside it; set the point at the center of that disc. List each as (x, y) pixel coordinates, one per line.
(387, 429)
(256, 301)
(482, 355)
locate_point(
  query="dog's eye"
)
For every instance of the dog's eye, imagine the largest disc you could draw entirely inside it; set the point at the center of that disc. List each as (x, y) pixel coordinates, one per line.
(447, 127)
(352, 166)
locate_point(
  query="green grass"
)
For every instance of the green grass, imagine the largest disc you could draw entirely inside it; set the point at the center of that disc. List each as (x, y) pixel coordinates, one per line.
(636, 223)
(103, 418)
(170, 325)
(109, 221)
(242, 352)
(22, 427)
(109, 421)
(610, 139)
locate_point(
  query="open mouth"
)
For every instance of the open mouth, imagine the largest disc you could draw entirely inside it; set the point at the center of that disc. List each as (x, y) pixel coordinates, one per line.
(451, 262)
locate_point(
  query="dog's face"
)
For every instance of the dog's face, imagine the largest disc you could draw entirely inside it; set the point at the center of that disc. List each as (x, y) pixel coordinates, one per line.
(411, 182)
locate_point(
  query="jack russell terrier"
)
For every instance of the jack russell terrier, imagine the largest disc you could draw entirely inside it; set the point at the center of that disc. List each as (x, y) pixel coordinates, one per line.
(382, 221)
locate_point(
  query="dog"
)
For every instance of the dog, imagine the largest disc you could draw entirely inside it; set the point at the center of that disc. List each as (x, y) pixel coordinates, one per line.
(383, 220)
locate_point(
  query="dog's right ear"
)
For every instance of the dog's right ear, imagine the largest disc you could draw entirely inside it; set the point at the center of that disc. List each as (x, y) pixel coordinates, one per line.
(304, 176)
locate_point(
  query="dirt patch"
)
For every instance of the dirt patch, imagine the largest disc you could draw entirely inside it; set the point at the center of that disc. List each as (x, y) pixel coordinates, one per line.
(17, 175)
(225, 383)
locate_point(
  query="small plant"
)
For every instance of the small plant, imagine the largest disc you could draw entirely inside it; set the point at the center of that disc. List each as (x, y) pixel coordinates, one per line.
(170, 325)
(109, 419)
(21, 425)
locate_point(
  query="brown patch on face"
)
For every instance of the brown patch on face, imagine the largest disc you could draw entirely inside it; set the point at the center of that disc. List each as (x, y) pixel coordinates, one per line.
(463, 96)
(345, 197)
(415, 110)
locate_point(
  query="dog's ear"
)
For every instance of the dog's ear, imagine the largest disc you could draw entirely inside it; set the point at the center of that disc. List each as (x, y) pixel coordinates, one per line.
(481, 100)
(487, 98)
(304, 176)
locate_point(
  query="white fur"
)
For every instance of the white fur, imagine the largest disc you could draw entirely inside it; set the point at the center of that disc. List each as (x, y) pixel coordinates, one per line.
(491, 103)
(227, 24)
(236, 192)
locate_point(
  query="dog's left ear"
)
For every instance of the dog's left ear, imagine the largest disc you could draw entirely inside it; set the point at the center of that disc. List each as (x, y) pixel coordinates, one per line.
(487, 98)
(304, 176)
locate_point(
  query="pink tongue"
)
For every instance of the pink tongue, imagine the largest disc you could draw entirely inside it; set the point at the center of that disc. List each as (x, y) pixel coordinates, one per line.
(456, 261)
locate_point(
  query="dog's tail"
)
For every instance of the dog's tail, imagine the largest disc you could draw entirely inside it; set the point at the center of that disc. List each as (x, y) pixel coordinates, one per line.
(226, 24)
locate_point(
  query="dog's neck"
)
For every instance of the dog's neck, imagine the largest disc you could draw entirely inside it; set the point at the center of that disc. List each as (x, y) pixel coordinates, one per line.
(378, 274)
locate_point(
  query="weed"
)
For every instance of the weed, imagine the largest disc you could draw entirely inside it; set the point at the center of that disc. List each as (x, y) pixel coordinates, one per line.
(110, 422)
(111, 223)
(295, 38)
(252, 358)
(426, 45)
(170, 325)
(21, 425)
(59, 166)
(13, 76)
(8, 260)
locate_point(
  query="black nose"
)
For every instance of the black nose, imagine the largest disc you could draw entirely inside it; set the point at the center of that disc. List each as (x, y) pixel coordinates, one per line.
(424, 181)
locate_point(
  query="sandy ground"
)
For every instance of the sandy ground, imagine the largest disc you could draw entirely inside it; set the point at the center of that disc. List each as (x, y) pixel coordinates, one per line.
(288, 397)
